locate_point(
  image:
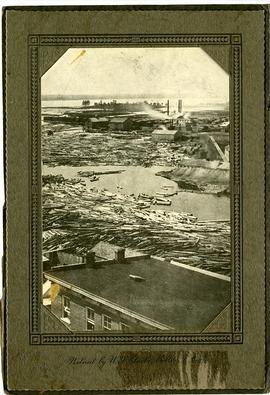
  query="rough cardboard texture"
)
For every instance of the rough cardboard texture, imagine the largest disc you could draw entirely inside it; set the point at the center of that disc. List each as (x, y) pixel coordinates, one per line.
(40, 368)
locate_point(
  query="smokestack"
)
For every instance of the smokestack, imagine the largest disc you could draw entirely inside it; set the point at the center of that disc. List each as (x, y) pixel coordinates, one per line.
(120, 255)
(180, 106)
(168, 107)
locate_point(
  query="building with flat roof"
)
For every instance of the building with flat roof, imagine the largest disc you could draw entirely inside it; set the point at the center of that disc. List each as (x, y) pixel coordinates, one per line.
(120, 123)
(164, 135)
(136, 294)
(96, 123)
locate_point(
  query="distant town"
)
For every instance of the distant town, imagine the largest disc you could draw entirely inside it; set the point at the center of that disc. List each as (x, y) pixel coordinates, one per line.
(147, 122)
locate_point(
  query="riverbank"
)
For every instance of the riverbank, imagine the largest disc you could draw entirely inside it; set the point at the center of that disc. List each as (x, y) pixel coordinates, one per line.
(199, 176)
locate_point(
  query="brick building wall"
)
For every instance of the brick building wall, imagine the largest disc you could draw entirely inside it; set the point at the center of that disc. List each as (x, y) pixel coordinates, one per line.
(50, 323)
(78, 314)
(56, 306)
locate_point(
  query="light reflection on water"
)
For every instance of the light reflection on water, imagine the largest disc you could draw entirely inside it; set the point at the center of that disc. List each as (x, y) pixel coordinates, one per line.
(138, 179)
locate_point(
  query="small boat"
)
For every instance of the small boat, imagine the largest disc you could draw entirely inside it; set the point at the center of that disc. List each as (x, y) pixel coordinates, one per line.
(142, 204)
(93, 178)
(170, 194)
(86, 173)
(162, 202)
(145, 196)
(166, 194)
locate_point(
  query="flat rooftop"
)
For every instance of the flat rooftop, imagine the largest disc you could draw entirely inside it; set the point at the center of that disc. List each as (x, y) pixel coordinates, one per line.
(177, 297)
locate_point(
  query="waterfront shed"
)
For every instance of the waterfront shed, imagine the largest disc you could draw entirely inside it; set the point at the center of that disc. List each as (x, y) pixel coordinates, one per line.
(120, 123)
(166, 135)
(98, 123)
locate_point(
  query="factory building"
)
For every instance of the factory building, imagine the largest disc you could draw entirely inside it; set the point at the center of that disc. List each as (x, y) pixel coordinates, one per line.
(120, 123)
(164, 135)
(135, 293)
(97, 123)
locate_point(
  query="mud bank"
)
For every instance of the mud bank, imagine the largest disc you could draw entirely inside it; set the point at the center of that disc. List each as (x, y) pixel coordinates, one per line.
(199, 178)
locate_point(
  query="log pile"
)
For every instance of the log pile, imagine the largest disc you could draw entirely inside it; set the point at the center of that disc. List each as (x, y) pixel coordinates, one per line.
(77, 218)
(76, 148)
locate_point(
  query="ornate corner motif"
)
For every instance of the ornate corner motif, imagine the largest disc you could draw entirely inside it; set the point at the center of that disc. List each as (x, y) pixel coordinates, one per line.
(35, 339)
(238, 338)
(33, 40)
(236, 39)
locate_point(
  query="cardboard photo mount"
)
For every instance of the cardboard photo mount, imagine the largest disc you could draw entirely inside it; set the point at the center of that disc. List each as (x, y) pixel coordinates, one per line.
(233, 355)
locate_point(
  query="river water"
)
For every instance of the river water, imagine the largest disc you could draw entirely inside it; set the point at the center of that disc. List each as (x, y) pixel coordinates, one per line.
(138, 179)
(189, 104)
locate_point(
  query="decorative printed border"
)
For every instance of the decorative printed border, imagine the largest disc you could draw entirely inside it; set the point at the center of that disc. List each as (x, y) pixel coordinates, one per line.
(136, 339)
(35, 44)
(35, 268)
(118, 40)
(237, 193)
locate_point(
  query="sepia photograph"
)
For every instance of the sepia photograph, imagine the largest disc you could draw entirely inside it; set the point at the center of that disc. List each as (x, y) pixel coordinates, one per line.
(135, 191)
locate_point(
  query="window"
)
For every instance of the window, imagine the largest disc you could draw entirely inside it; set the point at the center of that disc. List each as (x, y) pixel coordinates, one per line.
(90, 319)
(90, 314)
(107, 322)
(124, 327)
(65, 310)
(90, 326)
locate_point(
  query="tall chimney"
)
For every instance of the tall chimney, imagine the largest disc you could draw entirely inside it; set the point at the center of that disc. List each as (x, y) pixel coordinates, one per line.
(180, 106)
(120, 255)
(168, 107)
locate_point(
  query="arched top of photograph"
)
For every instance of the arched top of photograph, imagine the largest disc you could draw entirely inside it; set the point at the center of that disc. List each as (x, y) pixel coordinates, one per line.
(120, 73)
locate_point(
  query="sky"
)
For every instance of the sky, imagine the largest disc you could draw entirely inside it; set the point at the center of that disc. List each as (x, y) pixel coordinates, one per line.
(152, 72)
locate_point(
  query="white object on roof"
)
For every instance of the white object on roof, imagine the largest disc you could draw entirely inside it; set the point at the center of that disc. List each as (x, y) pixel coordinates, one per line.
(46, 287)
(66, 320)
(47, 302)
(136, 278)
